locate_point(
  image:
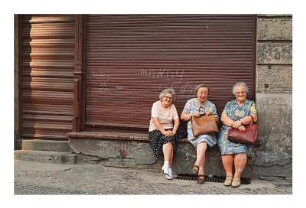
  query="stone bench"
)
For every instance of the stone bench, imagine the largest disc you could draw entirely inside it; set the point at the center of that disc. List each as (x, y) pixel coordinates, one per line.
(122, 149)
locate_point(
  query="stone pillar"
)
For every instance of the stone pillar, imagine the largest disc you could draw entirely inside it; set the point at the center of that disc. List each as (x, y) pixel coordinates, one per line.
(274, 96)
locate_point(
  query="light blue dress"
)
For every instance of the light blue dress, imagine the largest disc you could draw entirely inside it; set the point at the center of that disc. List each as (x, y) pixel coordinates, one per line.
(234, 112)
(193, 106)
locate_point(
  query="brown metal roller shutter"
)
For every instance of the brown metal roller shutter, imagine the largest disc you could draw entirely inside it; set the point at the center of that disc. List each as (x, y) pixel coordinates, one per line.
(131, 58)
(47, 67)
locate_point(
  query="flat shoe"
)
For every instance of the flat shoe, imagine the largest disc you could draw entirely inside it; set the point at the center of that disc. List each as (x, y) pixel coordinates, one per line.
(236, 182)
(201, 179)
(228, 181)
(195, 169)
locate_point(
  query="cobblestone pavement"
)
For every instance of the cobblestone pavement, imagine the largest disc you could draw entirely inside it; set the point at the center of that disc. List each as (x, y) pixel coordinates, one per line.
(91, 179)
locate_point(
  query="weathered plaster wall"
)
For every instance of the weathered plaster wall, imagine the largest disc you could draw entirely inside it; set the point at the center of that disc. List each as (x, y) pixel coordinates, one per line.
(274, 96)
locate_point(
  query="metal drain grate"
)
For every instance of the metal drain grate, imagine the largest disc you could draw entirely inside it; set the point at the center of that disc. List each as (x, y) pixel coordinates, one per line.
(216, 179)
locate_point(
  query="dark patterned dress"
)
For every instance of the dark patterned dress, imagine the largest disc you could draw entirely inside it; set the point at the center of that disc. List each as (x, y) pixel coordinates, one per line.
(234, 112)
(157, 140)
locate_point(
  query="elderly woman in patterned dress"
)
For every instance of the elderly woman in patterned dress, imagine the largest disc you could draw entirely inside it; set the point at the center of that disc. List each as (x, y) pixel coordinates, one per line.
(195, 107)
(163, 127)
(236, 114)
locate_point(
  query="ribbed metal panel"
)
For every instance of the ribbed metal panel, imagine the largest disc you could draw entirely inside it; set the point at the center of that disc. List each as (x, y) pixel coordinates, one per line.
(47, 67)
(131, 58)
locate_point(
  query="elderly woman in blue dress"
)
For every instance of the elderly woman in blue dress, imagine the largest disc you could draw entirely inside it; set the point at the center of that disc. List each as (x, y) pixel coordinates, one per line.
(195, 107)
(236, 114)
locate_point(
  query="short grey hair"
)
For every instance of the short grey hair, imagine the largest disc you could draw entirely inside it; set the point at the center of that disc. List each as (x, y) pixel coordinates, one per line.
(167, 91)
(240, 84)
(199, 86)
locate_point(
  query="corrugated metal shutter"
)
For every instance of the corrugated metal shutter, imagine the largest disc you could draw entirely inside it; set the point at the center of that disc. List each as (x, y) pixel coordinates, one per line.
(131, 58)
(47, 71)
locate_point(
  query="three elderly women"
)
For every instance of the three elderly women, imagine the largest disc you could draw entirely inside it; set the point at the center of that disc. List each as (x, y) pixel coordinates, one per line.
(237, 113)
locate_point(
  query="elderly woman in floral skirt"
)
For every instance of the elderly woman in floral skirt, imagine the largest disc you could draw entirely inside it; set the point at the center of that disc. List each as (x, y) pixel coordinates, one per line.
(236, 114)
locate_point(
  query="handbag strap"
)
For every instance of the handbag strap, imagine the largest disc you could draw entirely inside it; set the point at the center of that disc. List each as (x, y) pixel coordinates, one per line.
(252, 120)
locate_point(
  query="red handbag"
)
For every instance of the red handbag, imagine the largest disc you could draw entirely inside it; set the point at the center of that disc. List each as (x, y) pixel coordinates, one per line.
(248, 136)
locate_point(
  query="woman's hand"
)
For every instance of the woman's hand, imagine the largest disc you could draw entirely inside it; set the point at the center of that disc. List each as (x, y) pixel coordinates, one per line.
(196, 114)
(241, 128)
(208, 112)
(236, 124)
(168, 133)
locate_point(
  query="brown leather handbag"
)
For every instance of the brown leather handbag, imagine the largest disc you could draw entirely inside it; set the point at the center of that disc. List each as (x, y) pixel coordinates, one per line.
(248, 136)
(205, 124)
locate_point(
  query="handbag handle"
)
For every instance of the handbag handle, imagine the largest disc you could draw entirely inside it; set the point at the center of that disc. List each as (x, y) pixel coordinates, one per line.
(200, 111)
(252, 120)
(203, 113)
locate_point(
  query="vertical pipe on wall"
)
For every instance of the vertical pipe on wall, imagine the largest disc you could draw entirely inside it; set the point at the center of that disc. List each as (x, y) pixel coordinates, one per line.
(78, 76)
(17, 72)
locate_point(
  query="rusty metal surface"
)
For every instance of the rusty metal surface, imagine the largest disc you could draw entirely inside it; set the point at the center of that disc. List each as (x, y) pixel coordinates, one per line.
(46, 79)
(131, 58)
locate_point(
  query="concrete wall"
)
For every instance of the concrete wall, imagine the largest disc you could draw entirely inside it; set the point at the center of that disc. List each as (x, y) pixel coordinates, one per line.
(274, 96)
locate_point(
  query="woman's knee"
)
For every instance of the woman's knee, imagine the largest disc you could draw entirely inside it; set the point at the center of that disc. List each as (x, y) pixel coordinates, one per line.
(168, 145)
(202, 146)
(227, 158)
(241, 156)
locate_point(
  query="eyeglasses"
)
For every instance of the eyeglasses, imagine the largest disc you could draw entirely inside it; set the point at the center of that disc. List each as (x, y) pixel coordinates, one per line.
(243, 92)
(168, 97)
(203, 92)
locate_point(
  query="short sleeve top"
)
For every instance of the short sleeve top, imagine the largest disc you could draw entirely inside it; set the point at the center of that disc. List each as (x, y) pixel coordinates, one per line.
(236, 112)
(166, 116)
(193, 105)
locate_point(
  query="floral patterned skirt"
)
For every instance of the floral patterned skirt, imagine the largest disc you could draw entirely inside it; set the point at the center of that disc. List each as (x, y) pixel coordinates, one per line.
(157, 140)
(228, 147)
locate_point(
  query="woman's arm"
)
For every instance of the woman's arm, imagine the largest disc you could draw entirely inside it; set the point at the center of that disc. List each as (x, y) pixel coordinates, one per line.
(253, 113)
(158, 125)
(186, 116)
(229, 122)
(247, 120)
(176, 125)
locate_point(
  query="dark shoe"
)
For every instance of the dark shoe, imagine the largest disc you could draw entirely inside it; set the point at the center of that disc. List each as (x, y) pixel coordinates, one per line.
(195, 169)
(201, 179)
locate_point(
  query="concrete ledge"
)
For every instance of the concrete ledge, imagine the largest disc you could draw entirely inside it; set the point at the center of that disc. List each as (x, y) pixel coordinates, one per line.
(108, 135)
(134, 151)
(45, 145)
(45, 156)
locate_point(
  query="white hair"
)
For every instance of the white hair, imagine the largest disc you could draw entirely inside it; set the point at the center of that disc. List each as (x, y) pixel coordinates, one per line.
(167, 91)
(240, 84)
(200, 86)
